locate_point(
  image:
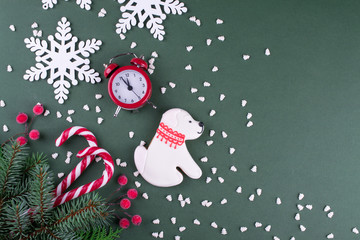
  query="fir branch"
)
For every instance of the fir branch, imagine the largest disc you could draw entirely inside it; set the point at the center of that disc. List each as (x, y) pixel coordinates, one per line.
(34, 160)
(17, 219)
(101, 234)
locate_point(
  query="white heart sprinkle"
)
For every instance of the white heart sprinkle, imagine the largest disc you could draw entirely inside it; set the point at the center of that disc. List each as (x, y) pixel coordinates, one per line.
(223, 201)
(243, 103)
(224, 135)
(54, 155)
(177, 237)
(300, 207)
(98, 96)
(297, 217)
(169, 198)
(254, 169)
(69, 119)
(223, 231)
(222, 97)
(208, 179)
(154, 54)
(301, 196)
(145, 195)
(215, 69)
(58, 114)
(248, 116)
(212, 113)
(259, 191)
(9, 68)
(2, 103)
(251, 197)
(196, 222)
(220, 179)
(221, 38)
(246, 57)
(156, 221)
(267, 52)
(161, 234)
(5, 128)
(34, 25)
(302, 228)
(213, 170)
(131, 134)
(278, 201)
(219, 21)
(118, 161)
(182, 203)
(204, 202)
(122, 36)
(67, 160)
(12, 28)
(173, 220)
(133, 45)
(327, 208)
(163, 90)
(355, 230)
(123, 164)
(211, 133)
(233, 168)
(192, 19)
(155, 234)
(97, 109)
(60, 175)
(137, 184)
(268, 228)
(188, 67)
(102, 12)
(181, 229)
(100, 120)
(309, 206)
(136, 173)
(206, 84)
(276, 238)
(239, 189)
(208, 42)
(46, 113)
(330, 236)
(172, 85)
(249, 124)
(258, 224)
(204, 159)
(198, 22)
(189, 48)
(231, 150)
(209, 142)
(330, 214)
(214, 225)
(243, 229)
(86, 107)
(180, 197)
(151, 60)
(71, 111)
(98, 159)
(187, 200)
(208, 204)
(193, 90)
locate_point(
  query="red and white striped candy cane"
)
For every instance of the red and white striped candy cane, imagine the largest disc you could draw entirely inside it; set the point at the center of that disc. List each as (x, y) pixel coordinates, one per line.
(91, 186)
(81, 166)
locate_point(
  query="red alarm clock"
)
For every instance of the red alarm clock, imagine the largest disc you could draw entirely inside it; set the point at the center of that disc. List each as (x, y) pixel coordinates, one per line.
(129, 86)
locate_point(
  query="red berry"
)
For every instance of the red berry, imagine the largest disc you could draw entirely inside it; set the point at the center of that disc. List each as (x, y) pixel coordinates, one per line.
(132, 193)
(136, 220)
(122, 180)
(21, 140)
(125, 203)
(34, 134)
(124, 223)
(21, 118)
(38, 109)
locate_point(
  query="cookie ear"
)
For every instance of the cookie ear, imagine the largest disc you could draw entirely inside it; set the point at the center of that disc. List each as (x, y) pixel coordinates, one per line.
(170, 117)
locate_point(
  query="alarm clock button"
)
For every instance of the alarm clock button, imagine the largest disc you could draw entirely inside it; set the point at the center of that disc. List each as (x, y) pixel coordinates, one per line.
(109, 70)
(139, 63)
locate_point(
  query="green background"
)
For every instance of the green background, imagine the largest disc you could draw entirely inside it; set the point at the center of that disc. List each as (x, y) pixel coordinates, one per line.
(304, 98)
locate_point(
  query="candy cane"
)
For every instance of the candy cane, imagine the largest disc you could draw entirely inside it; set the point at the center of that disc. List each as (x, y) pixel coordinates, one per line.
(88, 154)
(81, 166)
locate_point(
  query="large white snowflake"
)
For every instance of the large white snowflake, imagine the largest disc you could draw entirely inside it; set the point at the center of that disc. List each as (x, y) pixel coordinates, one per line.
(82, 3)
(138, 11)
(63, 60)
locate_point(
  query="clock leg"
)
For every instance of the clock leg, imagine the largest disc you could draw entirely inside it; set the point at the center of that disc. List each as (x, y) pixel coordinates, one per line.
(117, 111)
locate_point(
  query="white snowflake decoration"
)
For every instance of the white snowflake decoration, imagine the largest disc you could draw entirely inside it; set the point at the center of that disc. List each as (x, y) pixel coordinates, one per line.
(63, 60)
(152, 11)
(82, 3)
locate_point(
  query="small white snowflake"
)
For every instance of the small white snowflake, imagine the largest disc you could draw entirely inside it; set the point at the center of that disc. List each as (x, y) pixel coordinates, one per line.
(153, 12)
(82, 3)
(63, 60)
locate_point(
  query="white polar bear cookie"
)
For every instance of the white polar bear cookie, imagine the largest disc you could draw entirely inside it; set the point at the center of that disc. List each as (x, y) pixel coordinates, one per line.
(167, 151)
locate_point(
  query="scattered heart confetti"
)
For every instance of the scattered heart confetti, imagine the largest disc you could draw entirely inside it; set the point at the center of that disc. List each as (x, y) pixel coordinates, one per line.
(204, 159)
(219, 21)
(5, 128)
(302, 228)
(54, 155)
(214, 225)
(215, 69)
(231, 150)
(97, 109)
(208, 42)
(223, 201)
(58, 114)
(301, 196)
(300, 207)
(145, 195)
(131, 134)
(309, 206)
(102, 12)
(2, 103)
(69, 119)
(156, 221)
(224, 135)
(278, 201)
(211, 133)
(355, 230)
(221, 180)
(118, 161)
(221, 38)
(243, 103)
(268, 228)
(60, 175)
(12, 28)
(193, 90)
(173, 220)
(133, 45)
(259, 191)
(297, 216)
(330, 236)
(239, 189)
(206, 84)
(188, 67)
(86, 107)
(98, 96)
(172, 85)
(209, 142)
(34, 25)
(330, 214)
(267, 52)
(9, 68)
(248, 116)
(163, 90)
(196, 222)
(243, 229)
(212, 113)
(249, 124)
(71, 112)
(233, 169)
(327, 208)
(222, 97)
(258, 224)
(213, 170)
(169, 198)
(46, 113)
(251, 197)
(246, 57)
(254, 169)
(100, 120)
(223, 231)
(189, 48)
(208, 179)
(161, 234)
(181, 229)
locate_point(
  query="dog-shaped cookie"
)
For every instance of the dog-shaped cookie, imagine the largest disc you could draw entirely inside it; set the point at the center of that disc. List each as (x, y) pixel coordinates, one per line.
(167, 151)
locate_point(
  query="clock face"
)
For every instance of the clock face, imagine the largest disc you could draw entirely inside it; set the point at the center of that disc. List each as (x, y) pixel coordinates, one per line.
(129, 86)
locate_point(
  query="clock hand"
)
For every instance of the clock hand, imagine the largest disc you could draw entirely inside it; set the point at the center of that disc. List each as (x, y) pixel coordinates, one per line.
(127, 84)
(129, 87)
